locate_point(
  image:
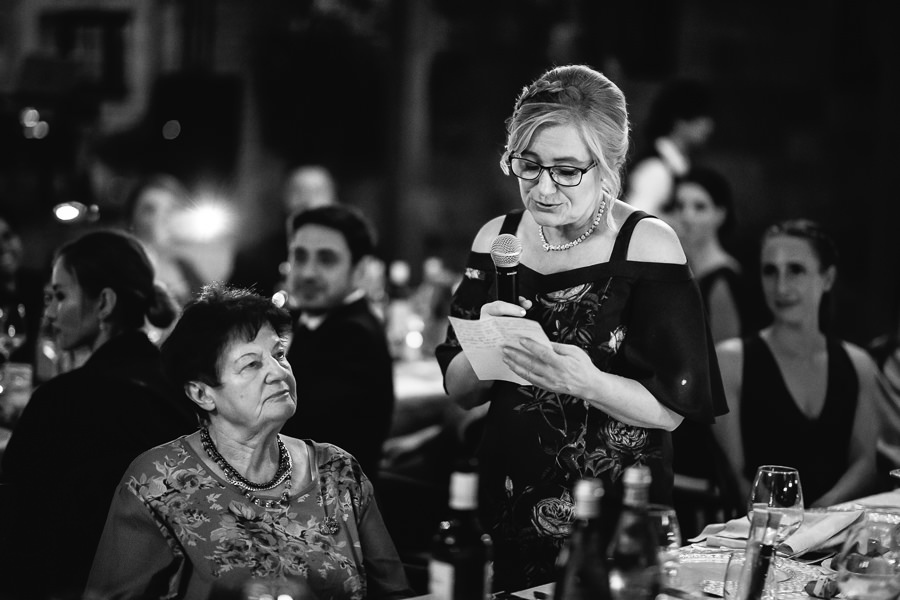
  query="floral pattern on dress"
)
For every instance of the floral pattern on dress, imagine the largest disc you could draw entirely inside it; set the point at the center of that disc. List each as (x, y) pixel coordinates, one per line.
(267, 543)
(582, 441)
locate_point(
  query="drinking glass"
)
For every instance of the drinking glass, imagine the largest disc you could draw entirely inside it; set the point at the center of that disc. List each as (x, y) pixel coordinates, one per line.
(666, 523)
(868, 564)
(778, 490)
(737, 579)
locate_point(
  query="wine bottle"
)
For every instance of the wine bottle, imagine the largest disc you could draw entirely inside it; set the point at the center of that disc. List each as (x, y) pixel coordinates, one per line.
(460, 567)
(581, 563)
(633, 555)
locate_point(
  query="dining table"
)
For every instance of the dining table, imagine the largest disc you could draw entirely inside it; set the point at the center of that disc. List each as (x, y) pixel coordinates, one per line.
(701, 568)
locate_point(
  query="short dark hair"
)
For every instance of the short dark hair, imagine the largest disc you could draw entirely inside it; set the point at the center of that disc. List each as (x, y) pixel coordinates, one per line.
(348, 221)
(219, 315)
(116, 260)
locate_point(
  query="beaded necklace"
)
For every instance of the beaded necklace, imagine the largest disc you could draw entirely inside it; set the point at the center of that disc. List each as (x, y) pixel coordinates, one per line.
(282, 475)
(560, 247)
(328, 526)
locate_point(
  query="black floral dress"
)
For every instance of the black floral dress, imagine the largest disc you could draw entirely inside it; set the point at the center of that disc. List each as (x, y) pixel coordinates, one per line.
(643, 321)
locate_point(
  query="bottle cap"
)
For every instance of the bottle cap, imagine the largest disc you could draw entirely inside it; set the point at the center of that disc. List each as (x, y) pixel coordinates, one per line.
(588, 489)
(588, 494)
(463, 490)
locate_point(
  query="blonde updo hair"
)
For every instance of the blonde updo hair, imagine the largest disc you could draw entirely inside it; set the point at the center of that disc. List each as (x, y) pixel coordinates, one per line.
(585, 98)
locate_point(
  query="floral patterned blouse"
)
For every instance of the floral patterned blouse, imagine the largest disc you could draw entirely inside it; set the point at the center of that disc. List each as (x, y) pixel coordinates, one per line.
(641, 320)
(176, 530)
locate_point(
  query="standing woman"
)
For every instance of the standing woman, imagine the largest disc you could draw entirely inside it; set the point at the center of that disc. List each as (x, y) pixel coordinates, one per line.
(81, 429)
(799, 396)
(631, 355)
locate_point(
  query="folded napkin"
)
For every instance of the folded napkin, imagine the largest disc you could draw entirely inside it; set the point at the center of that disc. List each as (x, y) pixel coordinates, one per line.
(820, 529)
(886, 500)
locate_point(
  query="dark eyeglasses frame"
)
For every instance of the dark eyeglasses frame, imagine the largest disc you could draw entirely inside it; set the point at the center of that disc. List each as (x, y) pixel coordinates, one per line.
(550, 169)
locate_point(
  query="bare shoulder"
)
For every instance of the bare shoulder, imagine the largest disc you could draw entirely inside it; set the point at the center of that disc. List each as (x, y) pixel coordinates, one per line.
(862, 361)
(654, 241)
(485, 236)
(730, 353)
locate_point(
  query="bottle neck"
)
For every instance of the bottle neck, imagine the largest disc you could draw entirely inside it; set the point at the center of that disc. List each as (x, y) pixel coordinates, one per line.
(463, 491)
(587, 510)
(636, 496)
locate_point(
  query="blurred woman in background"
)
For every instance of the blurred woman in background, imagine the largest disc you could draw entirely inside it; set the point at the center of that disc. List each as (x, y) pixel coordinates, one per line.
(153, 207)
(798, 395)
(81, 429)
(702, 214)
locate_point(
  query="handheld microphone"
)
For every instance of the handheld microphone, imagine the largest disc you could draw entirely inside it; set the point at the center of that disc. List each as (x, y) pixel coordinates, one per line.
(505, 251)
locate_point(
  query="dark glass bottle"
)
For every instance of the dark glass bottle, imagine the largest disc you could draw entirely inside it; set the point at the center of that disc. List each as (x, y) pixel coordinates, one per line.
(581, 563)
(633, 556)
(460, 566)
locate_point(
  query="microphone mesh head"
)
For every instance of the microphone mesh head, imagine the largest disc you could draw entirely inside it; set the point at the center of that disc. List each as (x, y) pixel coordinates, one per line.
(505, 250)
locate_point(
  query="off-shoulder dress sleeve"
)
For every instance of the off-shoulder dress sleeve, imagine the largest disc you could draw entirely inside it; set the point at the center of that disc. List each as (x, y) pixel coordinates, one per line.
(668, 347)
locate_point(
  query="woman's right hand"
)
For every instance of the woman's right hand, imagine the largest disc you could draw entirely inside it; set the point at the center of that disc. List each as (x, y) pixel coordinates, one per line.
(460, 380)
(499, 308)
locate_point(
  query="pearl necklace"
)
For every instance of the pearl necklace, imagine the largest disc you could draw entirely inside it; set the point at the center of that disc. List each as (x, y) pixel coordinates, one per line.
(282, 475)
(560, 247)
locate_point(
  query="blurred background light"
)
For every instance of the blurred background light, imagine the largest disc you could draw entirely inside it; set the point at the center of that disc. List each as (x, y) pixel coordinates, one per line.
(171, 129)
(29, 116)
(75, 212)
(41, 130)
(208, 219)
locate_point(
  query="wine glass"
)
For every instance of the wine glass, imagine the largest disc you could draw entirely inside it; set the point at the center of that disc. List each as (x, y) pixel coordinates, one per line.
(665, 521)
(778, 490)
(868, 564)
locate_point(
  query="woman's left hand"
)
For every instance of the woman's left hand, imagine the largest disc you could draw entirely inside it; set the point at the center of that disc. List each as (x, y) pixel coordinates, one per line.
(560, 368)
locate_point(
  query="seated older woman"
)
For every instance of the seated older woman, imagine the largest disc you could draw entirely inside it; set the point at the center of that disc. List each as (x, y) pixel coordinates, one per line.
(235, 500)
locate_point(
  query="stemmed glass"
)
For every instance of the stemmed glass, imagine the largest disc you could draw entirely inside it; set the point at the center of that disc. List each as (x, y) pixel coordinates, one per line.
(868, 564)
(778, 490)
(666, 523)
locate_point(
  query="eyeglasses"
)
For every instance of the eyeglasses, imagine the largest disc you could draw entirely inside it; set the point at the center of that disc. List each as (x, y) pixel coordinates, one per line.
(562, 175)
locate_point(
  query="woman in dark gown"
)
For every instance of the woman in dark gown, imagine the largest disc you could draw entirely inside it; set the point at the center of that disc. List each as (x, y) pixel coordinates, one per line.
(800, 396)
(631, 355)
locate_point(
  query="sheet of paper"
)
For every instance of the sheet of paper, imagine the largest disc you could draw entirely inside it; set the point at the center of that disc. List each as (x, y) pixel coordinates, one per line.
(482, 340)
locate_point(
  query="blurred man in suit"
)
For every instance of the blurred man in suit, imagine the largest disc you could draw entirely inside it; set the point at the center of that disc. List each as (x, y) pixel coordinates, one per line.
(339, 352)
